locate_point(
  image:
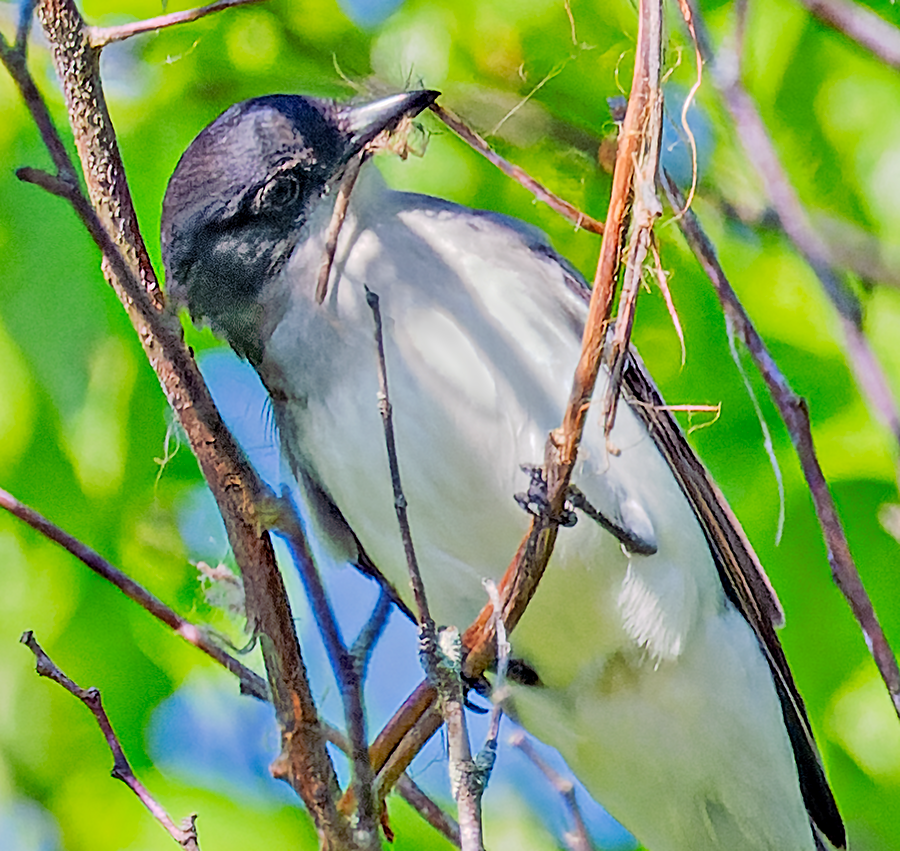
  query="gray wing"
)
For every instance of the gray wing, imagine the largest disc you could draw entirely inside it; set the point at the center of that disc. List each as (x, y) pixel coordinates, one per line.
(743, 578)
(745, 583)
(337, 532)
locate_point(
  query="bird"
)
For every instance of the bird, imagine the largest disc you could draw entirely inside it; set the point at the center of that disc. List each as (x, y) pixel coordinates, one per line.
(652, 633)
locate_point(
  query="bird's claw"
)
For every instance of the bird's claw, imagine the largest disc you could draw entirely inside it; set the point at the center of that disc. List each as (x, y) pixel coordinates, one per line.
(535, 500)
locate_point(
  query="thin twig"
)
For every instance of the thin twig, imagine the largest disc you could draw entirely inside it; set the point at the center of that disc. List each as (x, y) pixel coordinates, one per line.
(795, 414)
(861, 24)
(347, 674)
(101, 36)
(251, 683)
(426, 622)
(90, 697)
(564, 208)
(341, 201)
(442, 663)
(416, 719)
(761, 153)
(428, 809)
(577, 839)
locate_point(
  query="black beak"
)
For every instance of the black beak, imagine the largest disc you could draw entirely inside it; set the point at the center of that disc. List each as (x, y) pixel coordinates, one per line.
(364, 122)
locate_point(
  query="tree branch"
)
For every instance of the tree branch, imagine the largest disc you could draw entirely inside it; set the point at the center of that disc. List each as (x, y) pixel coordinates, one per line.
(347, 673)
(521, 578)
(561, 206)
(577, 839)
(874, 33)
(233, 483)
(417, 719)
(761, 153)
(441, 656)
(102, 36)
(251, 683)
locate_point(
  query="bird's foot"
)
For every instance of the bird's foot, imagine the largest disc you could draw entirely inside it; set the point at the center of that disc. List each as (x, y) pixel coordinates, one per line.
(535, 500)
(629, 537)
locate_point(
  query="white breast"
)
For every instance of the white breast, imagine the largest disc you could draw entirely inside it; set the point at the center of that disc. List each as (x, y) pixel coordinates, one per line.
(482, 334)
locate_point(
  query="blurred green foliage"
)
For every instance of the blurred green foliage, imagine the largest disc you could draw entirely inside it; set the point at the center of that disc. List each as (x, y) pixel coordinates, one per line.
(83, 423)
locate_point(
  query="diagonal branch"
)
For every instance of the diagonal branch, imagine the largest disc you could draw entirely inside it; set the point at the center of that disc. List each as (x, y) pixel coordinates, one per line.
(635, 137)
(521, 579)
(760, 151)
(347, 673)
(854, 20)
(417, 719)
(578, 839)
(795, 414)
(251, 682)
(561, 206)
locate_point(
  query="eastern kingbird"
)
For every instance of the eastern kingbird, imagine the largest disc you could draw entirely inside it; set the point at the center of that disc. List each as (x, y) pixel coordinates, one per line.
(663, 683)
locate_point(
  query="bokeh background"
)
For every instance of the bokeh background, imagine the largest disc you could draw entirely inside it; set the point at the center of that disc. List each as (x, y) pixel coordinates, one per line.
(85, 436)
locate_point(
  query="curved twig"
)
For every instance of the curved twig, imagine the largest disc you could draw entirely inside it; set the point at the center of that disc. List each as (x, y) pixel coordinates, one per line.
(185, 836)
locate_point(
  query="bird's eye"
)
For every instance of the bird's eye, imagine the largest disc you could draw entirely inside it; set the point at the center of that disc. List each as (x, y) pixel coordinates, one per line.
(278, 193)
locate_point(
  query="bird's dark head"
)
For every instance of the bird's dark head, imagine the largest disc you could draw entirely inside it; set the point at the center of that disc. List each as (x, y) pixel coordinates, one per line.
(239, 198)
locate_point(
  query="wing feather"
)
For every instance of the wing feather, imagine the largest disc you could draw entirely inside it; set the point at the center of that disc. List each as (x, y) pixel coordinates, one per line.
(745, 583)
